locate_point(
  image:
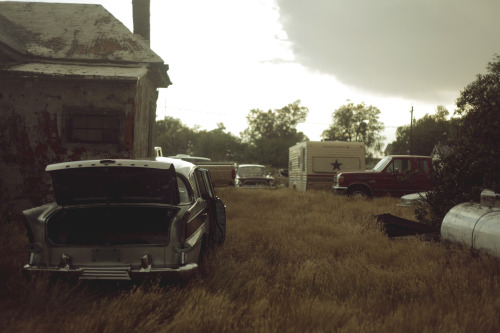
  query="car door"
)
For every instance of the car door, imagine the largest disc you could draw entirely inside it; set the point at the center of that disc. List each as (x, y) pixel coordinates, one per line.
(216, 207)
(422, 176)
(397, 177)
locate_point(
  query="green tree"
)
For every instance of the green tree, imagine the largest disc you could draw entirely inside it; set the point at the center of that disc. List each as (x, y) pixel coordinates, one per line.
(174, 137)
(271, 133)
(473, 164)
(425, 132)
(219, 145)
(357, 123)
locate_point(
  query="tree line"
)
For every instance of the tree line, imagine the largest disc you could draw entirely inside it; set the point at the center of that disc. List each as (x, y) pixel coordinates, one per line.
(269, 134)
(265, 140)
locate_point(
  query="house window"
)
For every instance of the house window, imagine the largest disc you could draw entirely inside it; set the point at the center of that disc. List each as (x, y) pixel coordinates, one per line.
(93, 128)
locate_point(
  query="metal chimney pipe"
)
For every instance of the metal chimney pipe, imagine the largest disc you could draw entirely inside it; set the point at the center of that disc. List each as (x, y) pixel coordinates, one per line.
(141, 15)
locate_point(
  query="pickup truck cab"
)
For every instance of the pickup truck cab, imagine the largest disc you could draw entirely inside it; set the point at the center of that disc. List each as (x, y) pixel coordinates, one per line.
(395, 175)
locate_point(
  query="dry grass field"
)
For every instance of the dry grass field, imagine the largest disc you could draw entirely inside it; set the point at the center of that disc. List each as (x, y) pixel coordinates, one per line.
(292, 262)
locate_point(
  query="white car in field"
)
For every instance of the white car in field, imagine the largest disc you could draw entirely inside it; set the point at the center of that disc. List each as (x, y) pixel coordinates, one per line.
(125, 219)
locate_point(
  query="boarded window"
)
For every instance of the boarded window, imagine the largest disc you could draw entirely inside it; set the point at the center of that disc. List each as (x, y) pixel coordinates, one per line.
(93, 128)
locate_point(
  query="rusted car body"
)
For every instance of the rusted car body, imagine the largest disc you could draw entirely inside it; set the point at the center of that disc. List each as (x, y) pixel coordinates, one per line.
(125, 219)
(395, 175)
(253, 176)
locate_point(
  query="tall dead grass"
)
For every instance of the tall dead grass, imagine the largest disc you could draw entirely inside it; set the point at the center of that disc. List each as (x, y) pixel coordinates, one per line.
(292, 261)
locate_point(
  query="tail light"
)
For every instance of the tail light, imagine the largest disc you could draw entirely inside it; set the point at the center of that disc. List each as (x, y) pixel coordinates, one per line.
(183, 227)
(233, 174)
(189, 227)
(340, 179)
(145, 261)
(65, 262)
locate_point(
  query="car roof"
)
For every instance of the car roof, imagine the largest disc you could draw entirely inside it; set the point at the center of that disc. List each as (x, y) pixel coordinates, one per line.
(183, 167)
(417, 156)
(251, 165)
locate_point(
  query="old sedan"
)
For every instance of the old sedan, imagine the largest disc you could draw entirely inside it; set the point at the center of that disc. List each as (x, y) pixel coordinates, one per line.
(125, 219)
(253, 176)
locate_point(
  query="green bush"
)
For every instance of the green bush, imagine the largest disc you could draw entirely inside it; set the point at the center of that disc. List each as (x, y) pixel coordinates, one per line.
(473, 163)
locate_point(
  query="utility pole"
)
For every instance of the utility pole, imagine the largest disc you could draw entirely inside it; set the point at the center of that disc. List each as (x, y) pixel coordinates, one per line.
(411, 129)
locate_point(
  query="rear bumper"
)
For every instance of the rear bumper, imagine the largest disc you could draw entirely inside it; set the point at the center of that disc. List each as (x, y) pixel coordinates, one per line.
(339, 189)
(114, 273)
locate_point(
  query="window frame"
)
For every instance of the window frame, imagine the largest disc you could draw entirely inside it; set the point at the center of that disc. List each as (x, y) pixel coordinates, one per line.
(109, 130)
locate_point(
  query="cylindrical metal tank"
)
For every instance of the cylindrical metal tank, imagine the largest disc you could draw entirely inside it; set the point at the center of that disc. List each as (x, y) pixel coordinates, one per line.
(476, 225)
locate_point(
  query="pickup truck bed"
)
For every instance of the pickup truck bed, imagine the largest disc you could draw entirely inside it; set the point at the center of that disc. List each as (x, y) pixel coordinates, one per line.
(223, 174)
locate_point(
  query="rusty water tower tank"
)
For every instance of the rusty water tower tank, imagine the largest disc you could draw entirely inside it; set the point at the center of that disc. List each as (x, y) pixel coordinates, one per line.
(476, 225)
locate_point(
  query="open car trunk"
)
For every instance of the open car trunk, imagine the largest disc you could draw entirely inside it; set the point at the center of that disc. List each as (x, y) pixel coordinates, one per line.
(114, 181)
(111, 225)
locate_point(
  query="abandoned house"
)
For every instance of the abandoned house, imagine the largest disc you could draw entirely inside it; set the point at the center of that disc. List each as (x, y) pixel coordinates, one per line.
(75, 84)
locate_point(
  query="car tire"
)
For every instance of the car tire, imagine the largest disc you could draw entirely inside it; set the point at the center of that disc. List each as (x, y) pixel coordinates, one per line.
(359, 192)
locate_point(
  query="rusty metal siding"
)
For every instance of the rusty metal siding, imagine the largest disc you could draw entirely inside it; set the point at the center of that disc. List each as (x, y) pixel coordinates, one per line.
(33, 127)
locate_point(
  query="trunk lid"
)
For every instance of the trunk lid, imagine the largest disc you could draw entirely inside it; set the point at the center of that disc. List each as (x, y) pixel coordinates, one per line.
(114, 181)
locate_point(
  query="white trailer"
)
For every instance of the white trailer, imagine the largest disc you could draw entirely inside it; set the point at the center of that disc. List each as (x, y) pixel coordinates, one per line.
(314, 164)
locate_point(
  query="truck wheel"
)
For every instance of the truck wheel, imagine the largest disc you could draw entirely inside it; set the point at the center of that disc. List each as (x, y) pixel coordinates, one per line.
(359, 192)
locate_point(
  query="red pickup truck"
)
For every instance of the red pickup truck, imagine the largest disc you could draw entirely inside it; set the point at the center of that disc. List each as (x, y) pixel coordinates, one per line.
(395, 175)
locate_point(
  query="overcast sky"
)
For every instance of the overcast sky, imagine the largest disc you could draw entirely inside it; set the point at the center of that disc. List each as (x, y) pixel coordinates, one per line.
(422, 50)
(227, 57)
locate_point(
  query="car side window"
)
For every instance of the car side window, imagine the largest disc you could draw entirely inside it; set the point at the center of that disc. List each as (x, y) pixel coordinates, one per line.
(405, 165)
(390, 168)
(399, 165)
(208, 183)
(184, 193)
(423, 166)
(204, 183)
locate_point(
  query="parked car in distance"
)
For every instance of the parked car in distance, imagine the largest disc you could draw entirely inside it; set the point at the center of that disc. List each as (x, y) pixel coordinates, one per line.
(413, 199)
(395, 175)
(223, 174)
(253, 176)
(189, 158)
(125, 220)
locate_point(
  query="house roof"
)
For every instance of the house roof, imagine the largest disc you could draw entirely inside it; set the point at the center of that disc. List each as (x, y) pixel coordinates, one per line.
(65, 32)
(79, 71)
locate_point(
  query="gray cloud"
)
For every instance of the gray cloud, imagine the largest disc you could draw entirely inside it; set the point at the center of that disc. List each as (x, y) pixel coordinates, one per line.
(425, 49)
